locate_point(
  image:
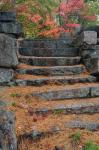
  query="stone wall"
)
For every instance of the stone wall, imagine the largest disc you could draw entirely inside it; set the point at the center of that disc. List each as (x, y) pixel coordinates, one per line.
(48, 47)
(96, 29)
(10, 29)
(89, 48)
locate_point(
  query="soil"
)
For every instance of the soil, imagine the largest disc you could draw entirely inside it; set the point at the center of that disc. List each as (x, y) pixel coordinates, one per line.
(19, 103)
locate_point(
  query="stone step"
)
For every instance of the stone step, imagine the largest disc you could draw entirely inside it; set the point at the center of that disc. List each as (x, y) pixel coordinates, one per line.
(7, 16)
(59, 122)
(80, 108)
(45, 52)
(54, 71)
(55, 130)
(58, 80)
(11, 28)
(77, 124)
(49, 43)
(50, 61)
(38, 105)
(47, 47)
(60, 92)
(67, 91)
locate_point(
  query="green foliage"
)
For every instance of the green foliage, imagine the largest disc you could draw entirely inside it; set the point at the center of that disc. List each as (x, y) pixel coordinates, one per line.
(58, 111)
(28, 12)
(6, 6)
(94, 9)
(48, 11)
(91, 146)
(42, 7)
(14, 104)
(76, 137)
(14, 95)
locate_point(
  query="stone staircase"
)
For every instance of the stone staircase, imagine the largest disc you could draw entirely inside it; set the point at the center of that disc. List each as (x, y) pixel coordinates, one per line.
(54, 92)
(62, 85)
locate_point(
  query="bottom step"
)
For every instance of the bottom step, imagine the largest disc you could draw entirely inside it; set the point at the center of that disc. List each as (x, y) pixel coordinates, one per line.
(34, 135)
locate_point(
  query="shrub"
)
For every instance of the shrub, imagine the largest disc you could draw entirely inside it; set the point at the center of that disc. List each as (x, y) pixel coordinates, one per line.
(37, 17)
(90, 146)
(6, 5)
(76, 12)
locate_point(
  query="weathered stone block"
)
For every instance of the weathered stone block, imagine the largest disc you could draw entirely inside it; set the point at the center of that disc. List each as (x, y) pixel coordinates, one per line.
(89, 37)
(7, 131)
(63, 94)
(95, 91)
(47, 48)
(6, 75)
(86, 39)
(7, 16)
(8, 48)
(83, 125)
(91, 58)
(11, 28)
(92, 65)
(93, 28)
(81, 108)
(63, 43)
(42, 52)
(56, 80)
(90, 53)
(50, 61)
(54, 71)
(38, 43)
(96, 47)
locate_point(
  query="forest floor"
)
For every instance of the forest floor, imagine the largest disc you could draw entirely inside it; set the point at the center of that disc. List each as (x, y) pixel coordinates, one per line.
(66, 139)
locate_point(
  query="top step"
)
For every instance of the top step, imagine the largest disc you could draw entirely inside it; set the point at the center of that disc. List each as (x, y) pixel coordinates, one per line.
(47, 48)
(7, 16)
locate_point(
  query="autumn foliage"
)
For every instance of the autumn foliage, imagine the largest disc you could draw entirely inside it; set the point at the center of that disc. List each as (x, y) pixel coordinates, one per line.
(74, 12)
(6, 5)
(37, 18)
(48, 18)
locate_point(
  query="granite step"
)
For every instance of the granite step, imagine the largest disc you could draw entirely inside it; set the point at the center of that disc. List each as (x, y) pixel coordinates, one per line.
(57, 122)
(67, 91)
(54, 71)
(48, 52)
(49, 61)
(60, 92)
(30, 80)
(55, 130)
(68, 109)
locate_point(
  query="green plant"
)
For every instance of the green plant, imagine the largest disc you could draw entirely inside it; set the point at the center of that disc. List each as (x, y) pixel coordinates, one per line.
(14, 104)
(78, 12)
(14, 95)
(58, 111)
(76, 137)
(6, 5)
(36, 16)
(89, 145)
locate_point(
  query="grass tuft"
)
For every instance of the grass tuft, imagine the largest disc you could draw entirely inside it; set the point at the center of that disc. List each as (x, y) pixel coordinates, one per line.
(76, 137)
(89, 145)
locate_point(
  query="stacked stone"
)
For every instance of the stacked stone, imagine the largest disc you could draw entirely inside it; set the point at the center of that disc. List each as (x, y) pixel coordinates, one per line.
(10, 29)
(88, 42)
(48, 47)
